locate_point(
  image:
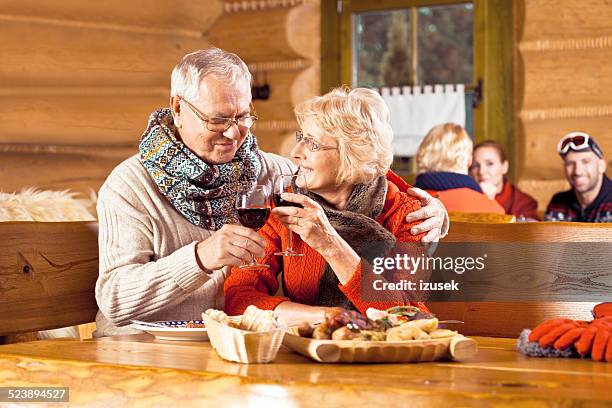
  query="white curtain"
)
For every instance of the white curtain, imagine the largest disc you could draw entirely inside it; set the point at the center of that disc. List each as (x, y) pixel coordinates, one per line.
(415, 110)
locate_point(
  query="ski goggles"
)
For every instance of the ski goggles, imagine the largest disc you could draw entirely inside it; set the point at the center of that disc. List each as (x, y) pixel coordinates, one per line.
(578, 141)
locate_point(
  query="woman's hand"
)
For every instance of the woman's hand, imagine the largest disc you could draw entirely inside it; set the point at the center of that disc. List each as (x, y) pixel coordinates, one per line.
(435, 218)
(292, 314)
(313, 227)
(309, 222)
(488, 189)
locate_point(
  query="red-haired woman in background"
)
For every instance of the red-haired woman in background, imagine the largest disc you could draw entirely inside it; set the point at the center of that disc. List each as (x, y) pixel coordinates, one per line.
(489, 168)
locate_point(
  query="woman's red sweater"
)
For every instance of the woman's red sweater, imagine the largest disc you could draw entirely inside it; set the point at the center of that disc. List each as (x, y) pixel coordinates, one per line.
(516, 202)
(302, 274)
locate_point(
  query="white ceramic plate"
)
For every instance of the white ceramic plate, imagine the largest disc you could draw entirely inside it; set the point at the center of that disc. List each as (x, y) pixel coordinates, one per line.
(175, 330)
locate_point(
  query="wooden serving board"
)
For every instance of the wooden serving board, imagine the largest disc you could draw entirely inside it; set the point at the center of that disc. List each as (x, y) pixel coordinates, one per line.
(411, 351)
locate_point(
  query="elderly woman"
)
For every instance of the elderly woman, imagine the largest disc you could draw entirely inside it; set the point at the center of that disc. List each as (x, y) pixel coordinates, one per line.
(489, 169)
(343, 151)
(443, 160)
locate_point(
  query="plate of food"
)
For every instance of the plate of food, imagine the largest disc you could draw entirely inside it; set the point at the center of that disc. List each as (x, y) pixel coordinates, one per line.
(397, 335)
(184, 330)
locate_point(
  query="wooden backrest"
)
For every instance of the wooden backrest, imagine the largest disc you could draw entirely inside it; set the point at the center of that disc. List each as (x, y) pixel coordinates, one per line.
(507, 319)
(48, 272)
(529, 232)
(487, 218)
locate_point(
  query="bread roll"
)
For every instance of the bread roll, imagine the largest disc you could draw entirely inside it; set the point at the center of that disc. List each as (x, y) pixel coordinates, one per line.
(441, 333)
(406, 332)
(427, 325)
(255, 319)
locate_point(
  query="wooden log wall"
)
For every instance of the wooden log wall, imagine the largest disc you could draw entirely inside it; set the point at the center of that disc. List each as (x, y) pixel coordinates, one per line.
(79, 79)
(563, 79)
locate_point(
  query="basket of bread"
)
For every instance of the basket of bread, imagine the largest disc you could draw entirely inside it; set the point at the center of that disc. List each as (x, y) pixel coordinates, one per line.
(397, 335)
(254, 337)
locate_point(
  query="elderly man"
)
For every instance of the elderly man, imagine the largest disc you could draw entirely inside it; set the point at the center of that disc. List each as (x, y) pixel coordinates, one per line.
(166, 214)
(590, 198)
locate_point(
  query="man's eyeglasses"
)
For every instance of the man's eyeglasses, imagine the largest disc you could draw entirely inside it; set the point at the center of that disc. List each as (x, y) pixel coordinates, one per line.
(220, 125)
(578, 141)
(311, 143)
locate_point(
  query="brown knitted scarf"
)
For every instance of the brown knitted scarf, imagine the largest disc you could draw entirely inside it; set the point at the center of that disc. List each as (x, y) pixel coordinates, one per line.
(357, 225)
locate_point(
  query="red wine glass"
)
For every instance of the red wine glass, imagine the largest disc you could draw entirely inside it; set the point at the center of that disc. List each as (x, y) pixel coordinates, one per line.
(253, 211)
(285, 183)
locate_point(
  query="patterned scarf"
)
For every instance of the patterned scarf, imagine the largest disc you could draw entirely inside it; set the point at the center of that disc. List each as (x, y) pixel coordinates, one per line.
(203, 193)
(357, 225)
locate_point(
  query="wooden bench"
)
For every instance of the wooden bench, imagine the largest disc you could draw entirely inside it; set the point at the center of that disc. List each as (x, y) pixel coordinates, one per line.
(48, 272)
(485, 218)
(507, 319)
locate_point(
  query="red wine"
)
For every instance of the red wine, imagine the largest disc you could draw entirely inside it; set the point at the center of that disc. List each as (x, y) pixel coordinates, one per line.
(254, 218)
(279, 202)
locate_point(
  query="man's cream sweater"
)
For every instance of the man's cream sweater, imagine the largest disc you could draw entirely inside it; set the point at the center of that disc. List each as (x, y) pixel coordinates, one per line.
(148, 267)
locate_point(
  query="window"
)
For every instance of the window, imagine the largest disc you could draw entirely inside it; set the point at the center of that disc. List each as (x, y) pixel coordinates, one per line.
(475, 39)
(421, 45)
(413, 46)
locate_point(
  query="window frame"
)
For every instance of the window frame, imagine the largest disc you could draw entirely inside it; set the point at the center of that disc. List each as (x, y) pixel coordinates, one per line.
(494, 118)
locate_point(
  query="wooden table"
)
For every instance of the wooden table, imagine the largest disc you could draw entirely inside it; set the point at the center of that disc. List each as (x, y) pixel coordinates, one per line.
(141, 371)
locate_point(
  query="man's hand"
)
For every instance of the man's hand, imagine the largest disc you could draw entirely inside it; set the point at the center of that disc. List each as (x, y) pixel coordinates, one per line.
(232, 245)
(434, 216)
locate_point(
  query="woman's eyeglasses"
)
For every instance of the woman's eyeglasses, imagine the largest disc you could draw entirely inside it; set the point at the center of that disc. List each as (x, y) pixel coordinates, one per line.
(220, 125)
(311, 143)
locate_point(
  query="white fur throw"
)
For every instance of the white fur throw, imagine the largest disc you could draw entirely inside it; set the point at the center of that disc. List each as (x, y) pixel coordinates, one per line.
(35, 205)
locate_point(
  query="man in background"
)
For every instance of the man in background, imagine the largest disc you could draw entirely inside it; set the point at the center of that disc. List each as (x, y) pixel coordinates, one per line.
(590, 198)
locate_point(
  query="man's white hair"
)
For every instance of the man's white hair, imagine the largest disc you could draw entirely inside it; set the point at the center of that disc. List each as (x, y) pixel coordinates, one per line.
(223, 65)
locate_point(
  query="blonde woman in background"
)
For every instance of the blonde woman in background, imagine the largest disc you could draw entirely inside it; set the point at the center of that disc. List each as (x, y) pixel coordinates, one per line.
(443, 160)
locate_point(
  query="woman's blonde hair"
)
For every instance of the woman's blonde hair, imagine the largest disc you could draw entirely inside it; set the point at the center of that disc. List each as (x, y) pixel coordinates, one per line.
(360, 121)
(447, 147)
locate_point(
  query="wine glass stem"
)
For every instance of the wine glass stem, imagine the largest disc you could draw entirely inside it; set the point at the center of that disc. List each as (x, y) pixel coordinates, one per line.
(290, 242)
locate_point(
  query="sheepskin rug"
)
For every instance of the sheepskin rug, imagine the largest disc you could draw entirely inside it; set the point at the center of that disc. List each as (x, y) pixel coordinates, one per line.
(41, 205)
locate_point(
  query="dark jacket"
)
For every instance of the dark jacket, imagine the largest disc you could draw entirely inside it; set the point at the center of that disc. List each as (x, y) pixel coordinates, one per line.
(564, 206)
(458, 192)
